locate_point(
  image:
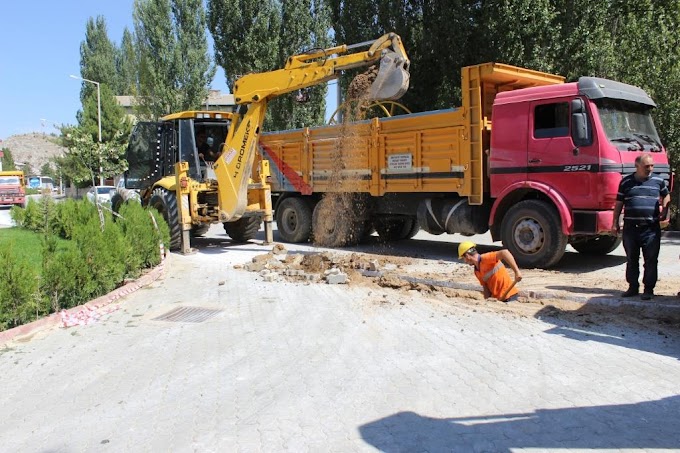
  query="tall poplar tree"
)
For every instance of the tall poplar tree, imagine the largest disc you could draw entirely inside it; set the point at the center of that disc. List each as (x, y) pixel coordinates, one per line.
(175, 68)
(127, 65)
(98, 63)
(305, 25)
(97, 57)
(246, 36)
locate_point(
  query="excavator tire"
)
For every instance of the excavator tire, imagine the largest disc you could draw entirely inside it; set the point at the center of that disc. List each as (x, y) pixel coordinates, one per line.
(165, 202)
(243, 229)
(200, 230)
(396, 229)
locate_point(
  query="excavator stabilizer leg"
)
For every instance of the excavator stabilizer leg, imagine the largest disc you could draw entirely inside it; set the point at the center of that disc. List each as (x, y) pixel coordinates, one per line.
(392, 80)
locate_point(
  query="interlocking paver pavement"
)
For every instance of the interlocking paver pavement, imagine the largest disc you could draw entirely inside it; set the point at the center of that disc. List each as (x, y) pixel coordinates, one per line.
(295, 367)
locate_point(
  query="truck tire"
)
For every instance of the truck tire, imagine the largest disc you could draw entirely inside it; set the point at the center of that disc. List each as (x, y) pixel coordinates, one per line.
(200, 230)
(294, 220)
(243, 229)
(598, 245)
(327, 232)
(396, 228)
(165, 202)
(531, 231)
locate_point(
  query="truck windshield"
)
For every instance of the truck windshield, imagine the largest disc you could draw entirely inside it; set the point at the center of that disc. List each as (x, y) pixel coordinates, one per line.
(628, 125)
(9, 180)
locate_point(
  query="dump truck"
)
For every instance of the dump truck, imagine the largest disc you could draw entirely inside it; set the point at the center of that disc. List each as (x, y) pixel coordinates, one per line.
(12, 188)
(533, 159)
(169, 164)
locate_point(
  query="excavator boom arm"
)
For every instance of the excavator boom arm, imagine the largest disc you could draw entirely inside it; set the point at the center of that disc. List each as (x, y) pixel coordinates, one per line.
(234, 166)
(308, 69)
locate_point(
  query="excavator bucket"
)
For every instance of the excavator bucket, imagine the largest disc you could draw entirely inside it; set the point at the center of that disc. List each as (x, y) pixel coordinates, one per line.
(392, 80)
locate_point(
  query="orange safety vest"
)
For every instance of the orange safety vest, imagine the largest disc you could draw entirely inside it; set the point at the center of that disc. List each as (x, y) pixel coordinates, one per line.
(494, 276)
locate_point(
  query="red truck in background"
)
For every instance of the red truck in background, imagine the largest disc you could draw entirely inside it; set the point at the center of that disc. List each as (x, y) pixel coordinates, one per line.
(12, 191)
(532, 159)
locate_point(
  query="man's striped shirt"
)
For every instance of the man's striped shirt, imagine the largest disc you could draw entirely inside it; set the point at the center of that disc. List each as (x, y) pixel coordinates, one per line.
(641, 198)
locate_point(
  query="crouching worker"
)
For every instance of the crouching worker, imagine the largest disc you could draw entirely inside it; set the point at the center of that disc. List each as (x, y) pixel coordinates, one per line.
(491, 272)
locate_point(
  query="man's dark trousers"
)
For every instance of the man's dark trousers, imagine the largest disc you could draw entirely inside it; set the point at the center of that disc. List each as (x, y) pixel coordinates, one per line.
(648, 238)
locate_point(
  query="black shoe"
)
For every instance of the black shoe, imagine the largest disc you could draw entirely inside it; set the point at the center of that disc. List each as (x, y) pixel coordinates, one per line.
(630, 292)
(647, 295)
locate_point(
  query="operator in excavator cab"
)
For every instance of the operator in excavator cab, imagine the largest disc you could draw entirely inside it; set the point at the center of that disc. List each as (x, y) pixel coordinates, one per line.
(491, 272)
(204, 145)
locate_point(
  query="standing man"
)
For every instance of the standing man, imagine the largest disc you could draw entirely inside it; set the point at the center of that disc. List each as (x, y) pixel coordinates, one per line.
(641, 194)
(490, 271)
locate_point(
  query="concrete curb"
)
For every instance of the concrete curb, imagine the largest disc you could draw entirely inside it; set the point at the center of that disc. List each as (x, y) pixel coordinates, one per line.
(102, 301)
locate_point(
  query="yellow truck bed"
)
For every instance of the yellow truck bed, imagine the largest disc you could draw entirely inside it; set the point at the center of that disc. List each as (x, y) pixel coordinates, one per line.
(438, 151)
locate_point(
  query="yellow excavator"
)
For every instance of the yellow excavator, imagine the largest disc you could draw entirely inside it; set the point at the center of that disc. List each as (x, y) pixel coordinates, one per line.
(170, 167)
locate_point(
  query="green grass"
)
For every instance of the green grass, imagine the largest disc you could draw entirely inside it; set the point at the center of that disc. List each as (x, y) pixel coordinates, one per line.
(26, 244)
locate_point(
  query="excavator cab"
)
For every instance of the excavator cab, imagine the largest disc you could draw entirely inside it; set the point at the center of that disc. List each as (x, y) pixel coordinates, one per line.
(155, 147)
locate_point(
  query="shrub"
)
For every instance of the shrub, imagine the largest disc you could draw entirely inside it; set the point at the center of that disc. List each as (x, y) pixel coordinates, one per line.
(69, 214)
(142, 236)
(19, 296)
(37, 216)
(18, 214)
(104, 252)
(66, 278)
(90, 263)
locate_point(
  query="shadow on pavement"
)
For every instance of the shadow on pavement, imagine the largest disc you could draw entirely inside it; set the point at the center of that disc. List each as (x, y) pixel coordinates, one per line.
(646, 425)
(603, 324)
(573, 262)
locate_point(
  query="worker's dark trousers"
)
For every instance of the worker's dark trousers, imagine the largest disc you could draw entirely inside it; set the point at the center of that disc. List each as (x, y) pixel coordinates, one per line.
(648, 238)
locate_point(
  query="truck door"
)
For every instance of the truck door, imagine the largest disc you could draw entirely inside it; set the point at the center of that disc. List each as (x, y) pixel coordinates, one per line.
(561, 153)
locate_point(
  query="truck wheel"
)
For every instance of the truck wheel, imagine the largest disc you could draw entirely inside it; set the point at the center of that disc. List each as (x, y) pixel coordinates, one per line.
(335, 230)
(200, 230)
(243, 229)
(294, 220)
(396, 228)
(598, 245)
(165, 202)
(531, 231)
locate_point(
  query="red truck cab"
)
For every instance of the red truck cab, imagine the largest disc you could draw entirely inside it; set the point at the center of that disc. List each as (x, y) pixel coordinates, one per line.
(581, 139)
(12, 190)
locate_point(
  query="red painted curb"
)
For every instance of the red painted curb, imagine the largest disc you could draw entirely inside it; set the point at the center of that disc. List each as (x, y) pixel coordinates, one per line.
(99, 302)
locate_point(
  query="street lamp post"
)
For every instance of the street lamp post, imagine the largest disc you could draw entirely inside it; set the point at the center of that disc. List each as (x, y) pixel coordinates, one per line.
(99, 121)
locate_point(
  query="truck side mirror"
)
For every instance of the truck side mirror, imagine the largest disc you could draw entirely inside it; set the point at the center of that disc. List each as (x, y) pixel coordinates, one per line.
(580, 127)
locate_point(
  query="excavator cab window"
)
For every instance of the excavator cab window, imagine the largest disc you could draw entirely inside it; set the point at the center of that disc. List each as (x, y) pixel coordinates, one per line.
(144, 168)
(187, 147)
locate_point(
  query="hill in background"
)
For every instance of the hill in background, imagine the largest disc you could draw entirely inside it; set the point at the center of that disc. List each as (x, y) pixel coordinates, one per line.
(35, 149)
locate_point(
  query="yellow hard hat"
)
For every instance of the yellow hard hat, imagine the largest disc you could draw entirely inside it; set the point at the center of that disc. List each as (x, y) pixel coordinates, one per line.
(464, 247)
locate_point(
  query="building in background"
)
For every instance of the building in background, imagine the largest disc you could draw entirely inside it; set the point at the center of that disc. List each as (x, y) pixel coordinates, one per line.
(216, 100)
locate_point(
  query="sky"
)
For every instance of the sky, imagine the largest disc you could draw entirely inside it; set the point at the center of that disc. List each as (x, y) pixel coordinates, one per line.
(40, 49)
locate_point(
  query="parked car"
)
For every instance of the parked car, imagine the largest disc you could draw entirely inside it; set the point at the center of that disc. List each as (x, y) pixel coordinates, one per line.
(104, 194)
